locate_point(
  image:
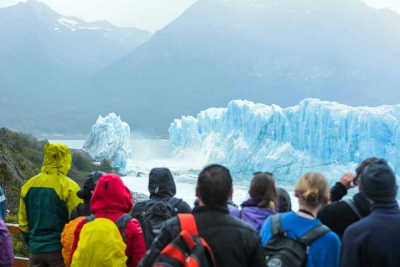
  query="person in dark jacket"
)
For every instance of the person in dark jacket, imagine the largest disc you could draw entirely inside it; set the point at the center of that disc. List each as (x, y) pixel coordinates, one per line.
(375, 240)
(83, 209)
(284, 201)
(261, 205)
(161, 187)
(231, 205)
(233, 242)
(339, 215)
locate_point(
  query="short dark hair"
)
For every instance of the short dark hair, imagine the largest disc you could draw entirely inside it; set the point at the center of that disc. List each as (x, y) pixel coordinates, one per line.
(361, 168)
(214, 185)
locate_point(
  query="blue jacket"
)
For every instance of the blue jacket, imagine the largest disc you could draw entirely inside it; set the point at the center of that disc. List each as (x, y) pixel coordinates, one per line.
(374, 240)
(3, 204)
(323, 252)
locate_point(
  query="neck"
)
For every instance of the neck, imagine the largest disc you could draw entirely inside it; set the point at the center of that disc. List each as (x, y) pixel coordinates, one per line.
(312, 210)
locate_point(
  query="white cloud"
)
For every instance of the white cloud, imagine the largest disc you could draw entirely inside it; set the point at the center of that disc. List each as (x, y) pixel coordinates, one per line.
(151, 15)
(392, 4)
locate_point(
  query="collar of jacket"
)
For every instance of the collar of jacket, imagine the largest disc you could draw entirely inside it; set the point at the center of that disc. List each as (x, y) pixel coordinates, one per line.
(250, 203)
(362, 204)
(218, 209)
(383, 208)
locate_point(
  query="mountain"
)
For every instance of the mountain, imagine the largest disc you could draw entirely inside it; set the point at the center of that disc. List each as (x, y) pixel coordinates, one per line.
(313, 135)
(267, 51)
(43, 53)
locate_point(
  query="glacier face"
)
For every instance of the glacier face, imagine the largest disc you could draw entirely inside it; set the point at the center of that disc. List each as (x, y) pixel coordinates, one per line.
(110, 139)
(312, 136)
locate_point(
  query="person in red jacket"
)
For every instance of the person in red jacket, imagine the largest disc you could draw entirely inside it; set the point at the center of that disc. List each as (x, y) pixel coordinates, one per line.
(111, 199)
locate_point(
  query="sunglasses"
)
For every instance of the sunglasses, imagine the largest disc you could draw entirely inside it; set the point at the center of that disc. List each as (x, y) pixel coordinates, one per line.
(267, 173)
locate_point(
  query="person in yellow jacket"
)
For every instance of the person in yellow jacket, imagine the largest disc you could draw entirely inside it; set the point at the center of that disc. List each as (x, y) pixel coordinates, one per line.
(46, 203)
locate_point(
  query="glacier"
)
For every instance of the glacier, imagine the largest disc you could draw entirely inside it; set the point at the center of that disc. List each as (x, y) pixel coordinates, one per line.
(110, 139)
(314, 135)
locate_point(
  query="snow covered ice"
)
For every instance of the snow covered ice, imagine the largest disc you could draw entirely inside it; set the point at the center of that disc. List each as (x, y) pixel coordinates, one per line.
(110, 139)
(312, 136)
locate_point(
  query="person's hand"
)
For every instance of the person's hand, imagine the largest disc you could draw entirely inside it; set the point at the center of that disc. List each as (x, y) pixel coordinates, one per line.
(8, 213)
(347, 180)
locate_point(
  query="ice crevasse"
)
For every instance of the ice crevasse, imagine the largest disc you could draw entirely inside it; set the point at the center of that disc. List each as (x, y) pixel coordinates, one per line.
(110, 139)
(314, 135)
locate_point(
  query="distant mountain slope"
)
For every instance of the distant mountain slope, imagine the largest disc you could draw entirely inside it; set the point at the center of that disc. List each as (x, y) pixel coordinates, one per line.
(43, 52)
(262, 50)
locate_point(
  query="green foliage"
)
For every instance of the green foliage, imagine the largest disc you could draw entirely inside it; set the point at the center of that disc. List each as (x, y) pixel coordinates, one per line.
(105, 166)
(19, 245)
(21, 157)
(80, 163)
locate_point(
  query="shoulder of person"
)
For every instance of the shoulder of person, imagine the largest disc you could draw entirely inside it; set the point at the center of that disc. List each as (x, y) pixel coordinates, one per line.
(331, 237)
(183, 206)
(133, 225)
(236, 222)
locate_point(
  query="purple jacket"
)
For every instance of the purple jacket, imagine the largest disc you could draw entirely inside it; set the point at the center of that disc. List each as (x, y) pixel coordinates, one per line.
(252, 214)
(6, 252)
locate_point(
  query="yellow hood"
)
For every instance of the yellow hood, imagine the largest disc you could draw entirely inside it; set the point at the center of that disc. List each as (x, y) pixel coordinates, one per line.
(57, 159)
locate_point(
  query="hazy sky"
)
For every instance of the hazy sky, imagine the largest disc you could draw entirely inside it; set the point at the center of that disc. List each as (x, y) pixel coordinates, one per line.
(150, 15)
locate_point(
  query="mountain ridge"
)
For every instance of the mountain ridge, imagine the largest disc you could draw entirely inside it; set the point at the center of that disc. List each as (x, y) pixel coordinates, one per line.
(222, 50)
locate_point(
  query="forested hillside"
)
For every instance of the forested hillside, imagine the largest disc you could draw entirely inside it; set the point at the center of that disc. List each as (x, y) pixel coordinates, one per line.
(21, 157)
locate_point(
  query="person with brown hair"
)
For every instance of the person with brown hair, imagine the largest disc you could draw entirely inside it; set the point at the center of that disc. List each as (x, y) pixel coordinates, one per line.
(341, 214)
(312, 190)
(262, 202)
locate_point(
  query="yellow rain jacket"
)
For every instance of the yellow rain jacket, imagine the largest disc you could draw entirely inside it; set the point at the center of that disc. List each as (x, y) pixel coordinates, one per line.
(47, 200)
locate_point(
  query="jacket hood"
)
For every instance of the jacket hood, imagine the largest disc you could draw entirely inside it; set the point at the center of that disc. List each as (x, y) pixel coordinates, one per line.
(110, 196)
(284, 201)
(161, 183)
(90, 184)
(57, 159)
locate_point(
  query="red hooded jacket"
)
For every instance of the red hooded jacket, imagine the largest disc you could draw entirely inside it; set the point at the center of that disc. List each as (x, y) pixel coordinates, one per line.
(111, 199)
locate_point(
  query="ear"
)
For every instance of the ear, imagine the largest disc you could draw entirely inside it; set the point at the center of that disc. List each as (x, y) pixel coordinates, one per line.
(327, 199)
(296, 193)
(197, 193)
(231, 194)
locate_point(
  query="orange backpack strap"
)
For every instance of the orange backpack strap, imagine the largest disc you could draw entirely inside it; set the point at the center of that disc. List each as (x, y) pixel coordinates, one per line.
(188, 223)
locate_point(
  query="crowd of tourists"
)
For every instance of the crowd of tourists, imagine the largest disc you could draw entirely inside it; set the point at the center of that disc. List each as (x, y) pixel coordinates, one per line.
(99, 225)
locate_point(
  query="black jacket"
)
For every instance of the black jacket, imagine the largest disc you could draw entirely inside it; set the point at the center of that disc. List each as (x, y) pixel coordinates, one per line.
(338, 215)
(234, 243)
(161, 186)
(82, 209)
(374, 240)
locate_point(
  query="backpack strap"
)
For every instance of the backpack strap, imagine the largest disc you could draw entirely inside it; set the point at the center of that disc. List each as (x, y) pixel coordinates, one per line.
(121, 223)
(276, 224)
(350, 202)
(241, 214)
(315, 233)
(90, 218)
(188, 223)
(175, 202)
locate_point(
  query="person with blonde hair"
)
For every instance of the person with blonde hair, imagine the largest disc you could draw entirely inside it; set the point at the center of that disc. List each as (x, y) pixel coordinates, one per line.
(323, 249)
(261, 205)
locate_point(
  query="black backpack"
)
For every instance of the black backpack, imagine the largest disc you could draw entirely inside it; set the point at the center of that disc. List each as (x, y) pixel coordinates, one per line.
(188, 249)
(282, 251)
(154, 214)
